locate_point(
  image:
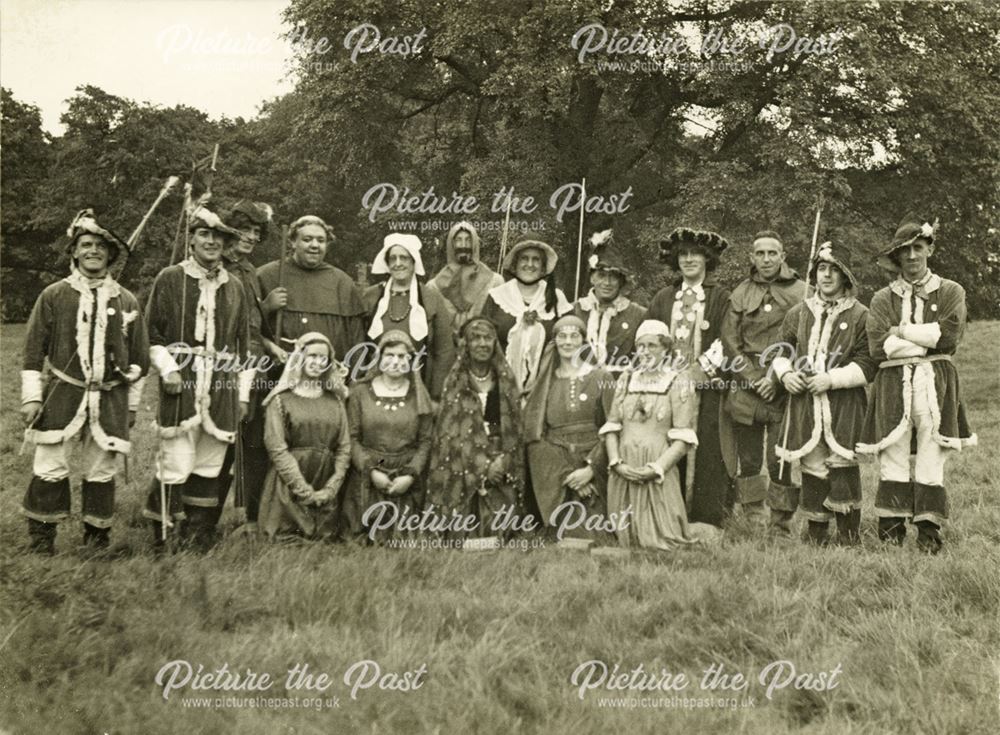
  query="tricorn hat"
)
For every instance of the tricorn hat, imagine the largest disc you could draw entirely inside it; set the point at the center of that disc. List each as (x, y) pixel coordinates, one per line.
(604, 255)
(84, 223)
(550, 255)
(911, 229)
(258, 213)
(710, 243)
(837, 254)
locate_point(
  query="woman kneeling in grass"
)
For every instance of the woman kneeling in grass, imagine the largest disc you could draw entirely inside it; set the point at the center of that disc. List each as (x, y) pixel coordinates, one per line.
(306, 434)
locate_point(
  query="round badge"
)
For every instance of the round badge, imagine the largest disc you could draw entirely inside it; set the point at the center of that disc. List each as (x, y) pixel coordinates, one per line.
(701, 296)
(767, 307)
(843, 325)
(304, 320)
(624, 325)
(933, 307)
(704, 325)
(690, 317)
(111, 311)
(583, 397)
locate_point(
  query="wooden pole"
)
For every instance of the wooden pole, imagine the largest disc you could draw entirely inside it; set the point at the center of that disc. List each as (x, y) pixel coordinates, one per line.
(281, 282)
(579, 239)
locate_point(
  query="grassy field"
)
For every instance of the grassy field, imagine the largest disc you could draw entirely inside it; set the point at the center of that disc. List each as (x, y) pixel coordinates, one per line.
(501, 633)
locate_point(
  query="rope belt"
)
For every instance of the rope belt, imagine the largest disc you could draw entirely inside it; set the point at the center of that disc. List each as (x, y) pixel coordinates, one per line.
(105, 386)
(913, 360)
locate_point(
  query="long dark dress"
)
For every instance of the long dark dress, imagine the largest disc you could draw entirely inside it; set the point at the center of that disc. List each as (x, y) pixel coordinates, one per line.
(386, 434)
(574, 411)
(310, 448)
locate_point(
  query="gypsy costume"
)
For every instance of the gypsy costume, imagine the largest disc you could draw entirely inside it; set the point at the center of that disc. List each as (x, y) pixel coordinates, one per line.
(391, 434)
(473, 428)
(307, 436)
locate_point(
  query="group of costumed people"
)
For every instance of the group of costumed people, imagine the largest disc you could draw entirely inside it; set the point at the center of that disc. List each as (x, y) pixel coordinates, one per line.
(478, 396)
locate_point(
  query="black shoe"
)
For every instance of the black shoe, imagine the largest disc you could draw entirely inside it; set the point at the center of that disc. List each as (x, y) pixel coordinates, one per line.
(929, 537)
(892, 530)
(849, 528)
(96, 538)
(42, 537)
(818, 533)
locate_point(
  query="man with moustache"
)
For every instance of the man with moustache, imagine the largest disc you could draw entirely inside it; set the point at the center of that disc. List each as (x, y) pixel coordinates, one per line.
(611, 317)
(914, 327)
(88, 330)
(199, 333)
(694, 306)
(755, 404)
(465, 280)
(825, 365)
(314, 295)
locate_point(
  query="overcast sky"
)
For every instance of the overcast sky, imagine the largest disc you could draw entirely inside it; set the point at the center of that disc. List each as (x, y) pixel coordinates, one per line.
(220, 56)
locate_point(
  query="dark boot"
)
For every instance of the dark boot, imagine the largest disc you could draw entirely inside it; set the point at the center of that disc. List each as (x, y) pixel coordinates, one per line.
(818, 533)
(781, 523)
(42, 537)
(849, 527)
(892, 530)
(928, 537)
(96, 538)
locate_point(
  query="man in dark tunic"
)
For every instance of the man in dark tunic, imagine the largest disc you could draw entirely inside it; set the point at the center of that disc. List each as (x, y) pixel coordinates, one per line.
(89, 330)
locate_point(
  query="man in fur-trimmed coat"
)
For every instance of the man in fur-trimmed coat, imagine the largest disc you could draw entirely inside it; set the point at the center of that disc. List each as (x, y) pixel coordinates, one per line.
(89, 330)
(198, 320)
(825, 367)
(914, 328)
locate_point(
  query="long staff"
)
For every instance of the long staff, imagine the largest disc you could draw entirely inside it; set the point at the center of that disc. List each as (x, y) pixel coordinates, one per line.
(281, 282)
(579, 240)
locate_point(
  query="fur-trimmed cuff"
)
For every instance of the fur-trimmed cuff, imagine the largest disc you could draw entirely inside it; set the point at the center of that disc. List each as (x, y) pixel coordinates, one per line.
(848, 376)
(246, 384)
(31, 386)
(135, 394)
(162, 360)
(685, 435)
(782, 366)
(896, 347)
(925, 335)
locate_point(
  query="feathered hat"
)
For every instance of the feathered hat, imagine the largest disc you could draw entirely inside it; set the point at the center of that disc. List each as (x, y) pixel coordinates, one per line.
(259, 213)
(837, 254)
(682, 238)
(604, 255)
(911, 229)
(85, 223)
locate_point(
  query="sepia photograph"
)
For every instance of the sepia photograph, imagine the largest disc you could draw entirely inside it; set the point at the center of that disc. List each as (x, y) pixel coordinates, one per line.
(492, 366)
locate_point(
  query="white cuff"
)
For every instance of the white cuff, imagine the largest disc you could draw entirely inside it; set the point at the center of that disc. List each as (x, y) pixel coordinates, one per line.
(135, 394)
(782, 366)
(162, 360)
(31, 386)
(246, 384)
(895, 348)
(684, 435)
(848, 376)
(133, 373)
(611, 427)
(925, 335)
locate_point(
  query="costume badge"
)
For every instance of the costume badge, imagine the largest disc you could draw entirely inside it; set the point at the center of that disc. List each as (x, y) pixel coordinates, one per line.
(767, 308)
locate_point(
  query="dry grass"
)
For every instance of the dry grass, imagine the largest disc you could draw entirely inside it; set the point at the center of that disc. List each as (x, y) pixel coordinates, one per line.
(501, 632)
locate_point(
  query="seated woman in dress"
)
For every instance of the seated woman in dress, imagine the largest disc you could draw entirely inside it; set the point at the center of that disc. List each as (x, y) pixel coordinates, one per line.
(649, 429)
(418, 309)
(391, 420)
(525, 308)
(307, 437)
(477, 453)
(564, 411)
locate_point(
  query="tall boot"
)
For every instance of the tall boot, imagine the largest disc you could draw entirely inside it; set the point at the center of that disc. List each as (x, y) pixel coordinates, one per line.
(42, 537)
(892, 530)
(96, 537)
(928, 537)
(849, 527)
(783, 501)
(199, 529)
(98, 507)
(781, 522)
(818, 533)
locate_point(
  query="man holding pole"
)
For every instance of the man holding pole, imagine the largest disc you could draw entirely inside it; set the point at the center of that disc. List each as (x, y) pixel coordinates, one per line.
(89, 331)
(198, 320)
(755, 404)
(914, 327)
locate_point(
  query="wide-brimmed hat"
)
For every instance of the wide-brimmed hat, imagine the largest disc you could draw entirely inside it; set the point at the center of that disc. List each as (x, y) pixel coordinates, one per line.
(837, 254)
(201, 216)
(710, 243)
(258, 213)
(85, 223)
(911, 229)
(604, 255)
(550, 255)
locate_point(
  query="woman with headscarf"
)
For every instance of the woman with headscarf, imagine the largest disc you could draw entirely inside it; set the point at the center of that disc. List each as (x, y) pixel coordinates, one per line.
(525, 308)
(391, 420)
(306, 434)
(649, 429)
(417, 309)
(477, 454)
(565, 409)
